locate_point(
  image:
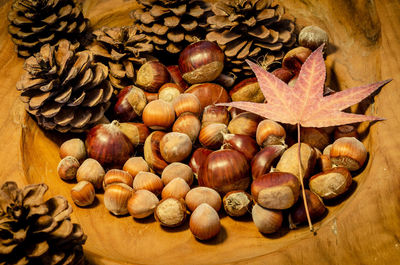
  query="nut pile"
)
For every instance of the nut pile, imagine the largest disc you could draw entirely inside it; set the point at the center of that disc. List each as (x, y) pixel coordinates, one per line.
(170, 151)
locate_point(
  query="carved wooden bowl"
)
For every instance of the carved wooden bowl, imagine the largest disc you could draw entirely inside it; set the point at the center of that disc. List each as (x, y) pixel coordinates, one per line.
(363, 229)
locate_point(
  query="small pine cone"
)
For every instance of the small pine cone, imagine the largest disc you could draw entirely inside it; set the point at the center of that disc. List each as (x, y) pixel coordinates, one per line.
(37, 232)
(34, 23)
(64, 89)
(121, 48)
(250, 29)
(172, 24)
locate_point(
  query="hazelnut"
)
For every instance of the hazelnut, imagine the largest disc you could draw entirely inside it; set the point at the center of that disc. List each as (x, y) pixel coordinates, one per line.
(170, 212)
(83, 193)
(74, 147)
(68, 167)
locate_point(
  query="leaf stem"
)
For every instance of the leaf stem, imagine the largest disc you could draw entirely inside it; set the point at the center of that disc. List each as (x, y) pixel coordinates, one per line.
(301, 180)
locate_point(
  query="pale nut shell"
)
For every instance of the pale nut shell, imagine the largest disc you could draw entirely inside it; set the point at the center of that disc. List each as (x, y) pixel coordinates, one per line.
(92, 171)
(200, 195)
(134, 165)
(74, 147)
(170, 212)
(68, 167)
(142, 204)
(204, 222)
(331, 183)
(176, 188)
(267, 221)
(116, 198)
(148, 181)
(177, 170)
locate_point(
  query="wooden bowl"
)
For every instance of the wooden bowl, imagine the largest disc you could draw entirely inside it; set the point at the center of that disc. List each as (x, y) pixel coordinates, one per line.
(363, 229)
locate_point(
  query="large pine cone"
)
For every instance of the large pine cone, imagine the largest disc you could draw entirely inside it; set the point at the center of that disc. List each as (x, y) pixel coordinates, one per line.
(172, 24)
(37, 232)
(65, 89)
(121, 48)
(34, 23)
(250, 29)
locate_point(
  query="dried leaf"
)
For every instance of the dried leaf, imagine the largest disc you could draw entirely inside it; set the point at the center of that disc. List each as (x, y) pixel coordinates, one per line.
(305, 104)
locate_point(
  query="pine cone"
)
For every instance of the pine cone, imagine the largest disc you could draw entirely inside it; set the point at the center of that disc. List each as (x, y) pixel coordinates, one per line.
(34, 23)
(37, 232)
(250, 29)
(65, 89)
(172, 24)
(121, 48)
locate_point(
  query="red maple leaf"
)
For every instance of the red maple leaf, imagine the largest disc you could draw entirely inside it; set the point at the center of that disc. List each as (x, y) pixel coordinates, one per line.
(304, 104)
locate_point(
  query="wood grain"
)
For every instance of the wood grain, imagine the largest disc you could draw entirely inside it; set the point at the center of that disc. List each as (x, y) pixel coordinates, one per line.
(364, 229)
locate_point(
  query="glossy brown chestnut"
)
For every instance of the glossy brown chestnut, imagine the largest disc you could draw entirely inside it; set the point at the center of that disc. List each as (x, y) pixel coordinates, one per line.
(108, 145)
(345, 131)
(315, 137)
(150, 96)
(331, 183)
(295, 58)
(276, 190)
(224, 171)
(158, 115)
(283, 74)
(136, 132)
(197, 159)
(264, 159)
(297, 214)
(176, 76)
(245, 123)
(348, 152)
(209, 93)
(270, 132)
(130, 104)
(226, 80)
(152, 75)
(247, 90)
(242, 143)
(201, 62)
(152, 153)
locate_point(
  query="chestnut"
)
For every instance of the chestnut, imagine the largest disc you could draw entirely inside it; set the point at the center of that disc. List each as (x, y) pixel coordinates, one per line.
(283, 74)
(158, 115)
(247, 90)
(312, 37)
(152, 153)
(315, 137)
(289, 161)
(295, 58)
(130, 104)
(136, 132)
(237, 203)
(331, 183)
(225, 170)
(204, 222)
(264, 159)
(201, 62)
(209, 93)
(348, 152)
(109, 145)
(297, 214)
(176, 77)
(189, 124)
(242, 143)
(152, 75)
(175, 146)
(197, 158)
(345, 131)
(276, 190)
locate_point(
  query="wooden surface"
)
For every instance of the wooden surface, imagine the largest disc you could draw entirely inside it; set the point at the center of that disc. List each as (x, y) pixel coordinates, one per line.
(363, 229)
